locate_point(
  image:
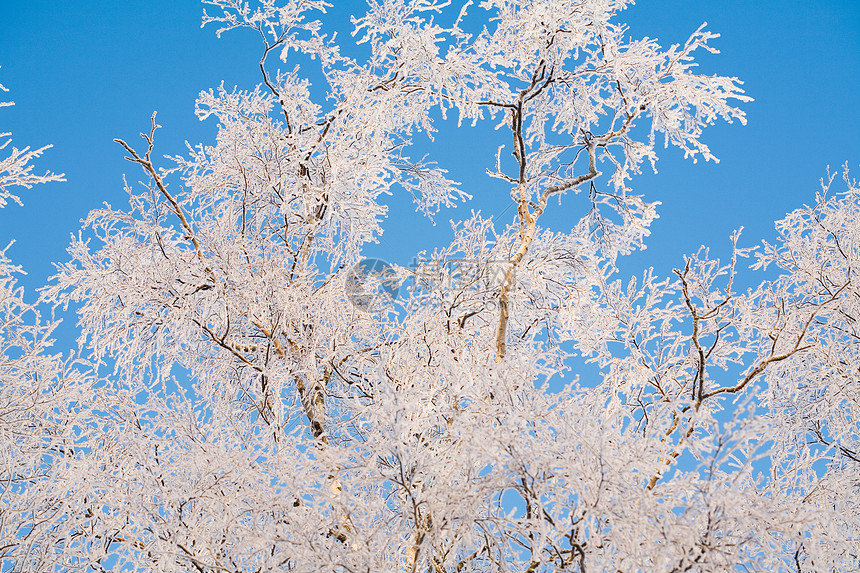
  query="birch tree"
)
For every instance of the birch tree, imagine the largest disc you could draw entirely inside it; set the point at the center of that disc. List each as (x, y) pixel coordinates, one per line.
(250, 416)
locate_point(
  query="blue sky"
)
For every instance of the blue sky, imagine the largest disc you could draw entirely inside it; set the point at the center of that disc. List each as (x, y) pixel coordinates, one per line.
(82, 73)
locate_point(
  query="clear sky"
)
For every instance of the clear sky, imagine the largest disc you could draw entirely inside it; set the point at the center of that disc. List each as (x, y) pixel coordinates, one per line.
(84, 72)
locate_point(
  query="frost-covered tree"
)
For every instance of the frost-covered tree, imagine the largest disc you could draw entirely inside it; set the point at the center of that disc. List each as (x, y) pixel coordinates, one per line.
(252, 414)
(40, 393)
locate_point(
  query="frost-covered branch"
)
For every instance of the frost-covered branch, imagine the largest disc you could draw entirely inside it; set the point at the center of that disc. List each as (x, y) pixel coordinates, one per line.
(16, 168)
